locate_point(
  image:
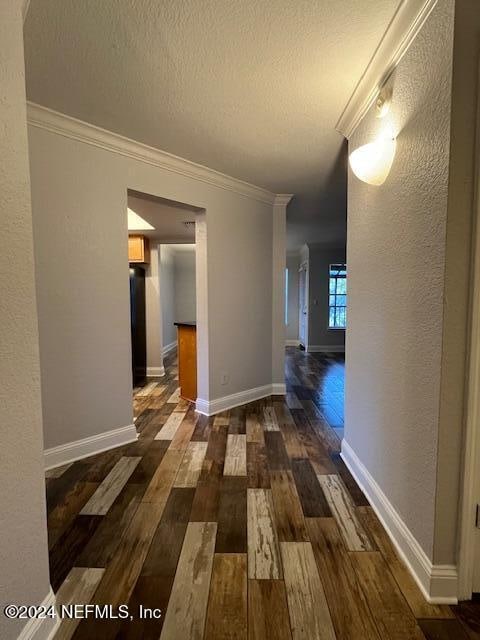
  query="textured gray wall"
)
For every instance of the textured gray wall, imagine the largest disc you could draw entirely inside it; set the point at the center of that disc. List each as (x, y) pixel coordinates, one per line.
(396, 261)
(23, 529)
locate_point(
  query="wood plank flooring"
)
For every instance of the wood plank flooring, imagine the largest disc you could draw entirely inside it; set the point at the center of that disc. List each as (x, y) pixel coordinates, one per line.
(246, 525)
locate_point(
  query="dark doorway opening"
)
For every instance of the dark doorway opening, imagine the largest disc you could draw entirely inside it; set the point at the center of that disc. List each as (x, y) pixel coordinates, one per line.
(137, 324)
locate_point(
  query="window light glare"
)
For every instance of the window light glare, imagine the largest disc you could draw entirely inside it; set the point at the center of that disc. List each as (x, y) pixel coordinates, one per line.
(372, 162)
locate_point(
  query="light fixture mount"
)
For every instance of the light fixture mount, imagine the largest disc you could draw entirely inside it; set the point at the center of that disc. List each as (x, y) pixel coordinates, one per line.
(383, 102)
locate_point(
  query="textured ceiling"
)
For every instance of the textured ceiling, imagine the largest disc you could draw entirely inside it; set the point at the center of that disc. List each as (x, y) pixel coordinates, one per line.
(251, 88)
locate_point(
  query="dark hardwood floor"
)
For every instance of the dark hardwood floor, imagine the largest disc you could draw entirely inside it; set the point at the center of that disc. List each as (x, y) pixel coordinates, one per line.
(243, 525)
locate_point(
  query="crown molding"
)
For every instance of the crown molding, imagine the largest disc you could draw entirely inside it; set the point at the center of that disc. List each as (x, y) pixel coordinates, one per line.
(282, 199)
(402, 30)
(25, 6)
(63, 125)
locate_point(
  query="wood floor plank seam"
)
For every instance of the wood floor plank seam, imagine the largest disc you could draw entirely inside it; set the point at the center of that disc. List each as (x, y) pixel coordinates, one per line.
(270, 419)
(170, 428)
(187, 607)
(236, 455)
(343, 509)
(106, 494)
(411, 592)
(191, 465)
(289, 518)
(307, 604)
(227, 604)
(78, 588)
(264, 560)
(382, 595)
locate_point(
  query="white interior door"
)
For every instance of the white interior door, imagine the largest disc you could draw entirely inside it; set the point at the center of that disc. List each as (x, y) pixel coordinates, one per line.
(302, 306)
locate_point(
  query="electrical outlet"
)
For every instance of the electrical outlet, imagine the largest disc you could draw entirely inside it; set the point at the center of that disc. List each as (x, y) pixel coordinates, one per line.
(224, 378)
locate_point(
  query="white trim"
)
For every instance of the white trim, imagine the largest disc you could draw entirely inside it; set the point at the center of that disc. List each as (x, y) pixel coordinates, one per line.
(169, 347)
(71, 451)
(326, 348)
(155, 372)
(304, 266)
(468, 536)
(211, 407)
(61, 124)
(282, 199)
(279, 389)
(399, 35)
(41, 628)
(438, 583)
(292, 343)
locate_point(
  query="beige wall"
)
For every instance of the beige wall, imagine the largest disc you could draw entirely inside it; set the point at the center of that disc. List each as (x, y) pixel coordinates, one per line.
(293, 263)
(153, 314)
(239, 250)
(79, 194)
(23, 549)
(396, 250)
(167, 294)
(277, 270)
(320, 259)
(171, 296)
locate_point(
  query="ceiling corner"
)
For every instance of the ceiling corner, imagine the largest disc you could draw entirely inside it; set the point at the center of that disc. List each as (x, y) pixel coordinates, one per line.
(282, 199)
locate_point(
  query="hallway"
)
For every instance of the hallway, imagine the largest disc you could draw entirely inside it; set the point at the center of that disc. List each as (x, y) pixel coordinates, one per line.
(246, 524)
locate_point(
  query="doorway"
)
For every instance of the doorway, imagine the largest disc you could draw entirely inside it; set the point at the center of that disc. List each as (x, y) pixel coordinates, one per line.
(303, 305)
(163, 299)
(138, 325)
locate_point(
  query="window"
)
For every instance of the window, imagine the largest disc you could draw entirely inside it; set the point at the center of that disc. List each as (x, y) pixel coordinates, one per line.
(337, 297)
(286, 297)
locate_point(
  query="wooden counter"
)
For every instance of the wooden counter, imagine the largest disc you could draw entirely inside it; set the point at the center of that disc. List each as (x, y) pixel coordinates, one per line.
(187, 360)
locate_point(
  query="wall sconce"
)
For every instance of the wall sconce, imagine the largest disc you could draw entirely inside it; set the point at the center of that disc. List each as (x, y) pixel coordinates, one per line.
(372, 162)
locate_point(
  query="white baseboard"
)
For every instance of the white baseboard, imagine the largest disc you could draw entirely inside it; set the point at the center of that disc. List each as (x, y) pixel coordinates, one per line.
(292, 343)
(41, 628)
(211, 407)
(169, 347)
(326, 348)
(155, 372)
(71, 451)
(279, 389)
(438, 583)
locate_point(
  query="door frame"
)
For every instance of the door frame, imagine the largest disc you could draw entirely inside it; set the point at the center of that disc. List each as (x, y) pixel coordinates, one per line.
(200, 214)
(304, 267)
(470, 494)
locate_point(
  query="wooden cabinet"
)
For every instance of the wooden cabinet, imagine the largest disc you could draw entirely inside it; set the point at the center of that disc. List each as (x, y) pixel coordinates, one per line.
(138, 249)
(187, 361)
